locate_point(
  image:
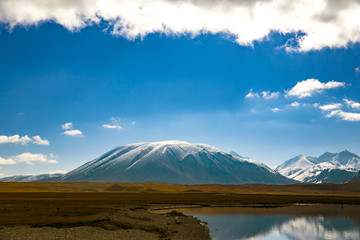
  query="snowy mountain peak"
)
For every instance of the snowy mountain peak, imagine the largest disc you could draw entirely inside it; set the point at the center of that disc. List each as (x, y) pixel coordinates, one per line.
(310, 169)
(175, 162)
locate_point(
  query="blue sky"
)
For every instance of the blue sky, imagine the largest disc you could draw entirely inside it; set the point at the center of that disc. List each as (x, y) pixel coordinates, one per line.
(74, 87)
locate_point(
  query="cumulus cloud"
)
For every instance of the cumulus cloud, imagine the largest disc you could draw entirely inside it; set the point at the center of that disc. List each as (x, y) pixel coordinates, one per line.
(346, 116)
(352, 104)
(23, 140)
(15, 139)
(309, 87)
(28, 158)
(270, 95)
(73, 133)
(69, 131)
(295, 104)
(315, 24)
(275, 109)
(8, 161)
(330, 106)
(37, 140)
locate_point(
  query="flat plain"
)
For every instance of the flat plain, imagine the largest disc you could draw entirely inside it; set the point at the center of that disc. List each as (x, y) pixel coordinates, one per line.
(123, 210)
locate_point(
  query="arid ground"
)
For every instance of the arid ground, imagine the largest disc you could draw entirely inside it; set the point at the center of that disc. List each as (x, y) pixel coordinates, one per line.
(123, 210)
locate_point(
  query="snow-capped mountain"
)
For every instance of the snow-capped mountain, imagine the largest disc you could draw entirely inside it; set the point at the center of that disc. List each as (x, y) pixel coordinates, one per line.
(329, 167)
(174, 162)
(32, 178)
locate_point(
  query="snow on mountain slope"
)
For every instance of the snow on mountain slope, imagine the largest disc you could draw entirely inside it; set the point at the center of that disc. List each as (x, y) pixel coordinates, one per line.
(174, 162)
(316, 170)
(32, 178)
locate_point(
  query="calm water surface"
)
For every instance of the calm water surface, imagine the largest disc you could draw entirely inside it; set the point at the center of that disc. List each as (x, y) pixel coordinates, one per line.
(290, 222)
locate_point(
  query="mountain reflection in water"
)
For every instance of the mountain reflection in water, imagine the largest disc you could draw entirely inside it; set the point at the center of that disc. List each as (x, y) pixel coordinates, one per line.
(294, 222)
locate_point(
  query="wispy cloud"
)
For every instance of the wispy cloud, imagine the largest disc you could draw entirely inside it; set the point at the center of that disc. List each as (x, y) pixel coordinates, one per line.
(321, 22)
(28, 158)
(264, 95)
(23, 140)
(111, 126)
(270, 95)
(352, 104)
(276, 109)
(69, 131)
(114, 124)
(309, 87)
(330, 106)
(252, 95)
(67, 126)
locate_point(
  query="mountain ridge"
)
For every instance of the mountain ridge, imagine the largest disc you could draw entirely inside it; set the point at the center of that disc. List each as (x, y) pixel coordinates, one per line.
(338, 167)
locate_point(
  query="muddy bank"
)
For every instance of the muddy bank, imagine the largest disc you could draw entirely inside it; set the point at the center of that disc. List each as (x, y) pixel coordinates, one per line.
(55, 220)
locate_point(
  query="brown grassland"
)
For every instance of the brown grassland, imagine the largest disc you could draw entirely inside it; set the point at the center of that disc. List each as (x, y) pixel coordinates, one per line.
(121, 210)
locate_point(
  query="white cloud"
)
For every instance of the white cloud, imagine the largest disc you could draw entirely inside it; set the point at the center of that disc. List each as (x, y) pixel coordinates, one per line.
(23, 140)
(67, 126)
(324, 23)
(357, 69)
(15, 139)
(74, 132)
(270, 95)
(295, 104)
(28, 158)
(114, 123)
(275, 109)
(8, 161)
(111, 126)
(352, 104)
(309, 87)
(70, 131)
(37, 140)
(330, 106)
(264, 94)
(346, 116)
(252, 95)
(133, 122)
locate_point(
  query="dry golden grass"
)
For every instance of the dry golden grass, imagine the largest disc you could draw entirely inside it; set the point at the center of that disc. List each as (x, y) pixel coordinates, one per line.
(123, 206)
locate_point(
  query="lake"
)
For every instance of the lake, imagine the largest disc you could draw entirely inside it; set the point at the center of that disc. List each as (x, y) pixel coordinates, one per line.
(288, 222)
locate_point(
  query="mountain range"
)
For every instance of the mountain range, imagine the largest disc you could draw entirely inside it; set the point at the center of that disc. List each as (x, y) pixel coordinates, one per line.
(169, 161)
(328, 168)
(187, 163)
